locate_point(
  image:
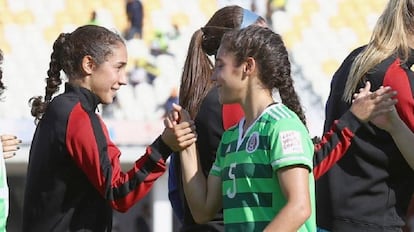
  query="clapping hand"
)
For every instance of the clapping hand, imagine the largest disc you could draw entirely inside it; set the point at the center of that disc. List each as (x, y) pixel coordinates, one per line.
(368, 105)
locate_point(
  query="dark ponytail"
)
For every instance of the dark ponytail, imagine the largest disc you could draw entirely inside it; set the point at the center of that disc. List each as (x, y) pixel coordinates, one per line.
(195, 79)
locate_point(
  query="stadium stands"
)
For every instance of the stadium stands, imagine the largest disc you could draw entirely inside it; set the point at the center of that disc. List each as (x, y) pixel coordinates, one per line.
(319, 34)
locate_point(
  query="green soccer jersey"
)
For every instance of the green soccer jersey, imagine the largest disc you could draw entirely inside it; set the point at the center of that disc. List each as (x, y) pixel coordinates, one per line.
(248, 167)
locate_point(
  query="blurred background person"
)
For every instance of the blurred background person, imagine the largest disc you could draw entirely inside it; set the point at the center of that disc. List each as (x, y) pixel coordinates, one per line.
(135, 14)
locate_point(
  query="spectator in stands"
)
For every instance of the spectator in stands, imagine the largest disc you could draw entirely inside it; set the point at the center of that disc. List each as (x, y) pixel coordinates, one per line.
(9, 146)
(370, 188)
(74, 178)
(175, 32)
(172, 99)
(135, 15)
(200, 98)
(160, 43)
(93, 20)
(137, 74)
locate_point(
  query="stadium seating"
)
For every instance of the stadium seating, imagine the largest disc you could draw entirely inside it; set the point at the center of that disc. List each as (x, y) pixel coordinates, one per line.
(319, 34)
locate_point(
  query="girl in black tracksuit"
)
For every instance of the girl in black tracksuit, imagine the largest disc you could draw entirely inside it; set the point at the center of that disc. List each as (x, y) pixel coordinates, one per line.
(369, 189)
(74, 178)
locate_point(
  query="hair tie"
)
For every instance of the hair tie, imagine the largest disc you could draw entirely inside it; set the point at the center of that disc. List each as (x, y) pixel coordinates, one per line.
(249, 18)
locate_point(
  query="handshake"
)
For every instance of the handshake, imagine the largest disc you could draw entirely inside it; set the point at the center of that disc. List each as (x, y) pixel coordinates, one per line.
(180, 130)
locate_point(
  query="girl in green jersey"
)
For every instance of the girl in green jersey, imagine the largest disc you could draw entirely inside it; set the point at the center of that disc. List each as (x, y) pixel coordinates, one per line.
(262, 176)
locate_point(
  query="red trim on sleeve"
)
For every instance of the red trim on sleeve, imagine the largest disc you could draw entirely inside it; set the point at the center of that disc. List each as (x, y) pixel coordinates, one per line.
(335, 153)
(98, 163)
(144, 186)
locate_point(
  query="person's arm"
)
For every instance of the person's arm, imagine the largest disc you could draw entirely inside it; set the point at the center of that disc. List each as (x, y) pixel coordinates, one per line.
(401, 134)
(10, 144)
(390, 121)
(290, 155)
(92, 150)
(336, 141)
(203, 195)
(294, 181)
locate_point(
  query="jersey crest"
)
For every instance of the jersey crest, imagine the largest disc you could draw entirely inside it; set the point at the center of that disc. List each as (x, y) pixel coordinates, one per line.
(252, 142)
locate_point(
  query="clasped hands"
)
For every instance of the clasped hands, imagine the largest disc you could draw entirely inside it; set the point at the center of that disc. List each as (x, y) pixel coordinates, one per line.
(180, 130)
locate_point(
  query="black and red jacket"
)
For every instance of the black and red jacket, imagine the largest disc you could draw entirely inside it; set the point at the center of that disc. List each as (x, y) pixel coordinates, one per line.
(370, 187)
(74, 178)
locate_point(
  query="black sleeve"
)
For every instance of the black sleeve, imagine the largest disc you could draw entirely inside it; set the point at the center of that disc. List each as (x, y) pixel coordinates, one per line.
(334, 143)
(162, 148)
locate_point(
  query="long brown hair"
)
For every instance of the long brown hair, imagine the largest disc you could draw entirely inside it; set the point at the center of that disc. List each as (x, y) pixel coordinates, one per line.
(197, 71)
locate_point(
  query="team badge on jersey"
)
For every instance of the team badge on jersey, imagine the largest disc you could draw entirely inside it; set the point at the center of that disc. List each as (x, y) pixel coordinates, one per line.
(291, 142)
(253, 142)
